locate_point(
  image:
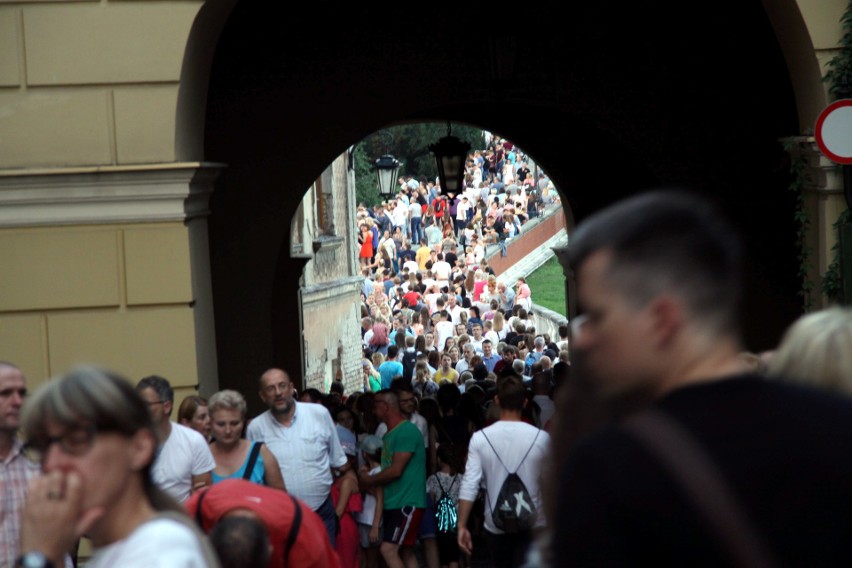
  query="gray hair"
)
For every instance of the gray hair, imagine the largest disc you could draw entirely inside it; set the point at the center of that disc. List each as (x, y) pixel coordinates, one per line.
(228, 400)
(89, 396)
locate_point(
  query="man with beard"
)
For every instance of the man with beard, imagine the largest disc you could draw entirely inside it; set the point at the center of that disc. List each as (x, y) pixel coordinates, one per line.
(303, 439)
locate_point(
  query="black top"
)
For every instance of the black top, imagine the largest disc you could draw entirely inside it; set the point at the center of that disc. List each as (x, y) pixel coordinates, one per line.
(785, 450)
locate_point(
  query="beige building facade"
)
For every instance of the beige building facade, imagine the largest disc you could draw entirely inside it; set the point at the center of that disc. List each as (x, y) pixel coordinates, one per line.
(110, 167)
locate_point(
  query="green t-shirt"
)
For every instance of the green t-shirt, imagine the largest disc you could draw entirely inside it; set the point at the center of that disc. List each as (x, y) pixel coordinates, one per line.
(375, 383)
(410, 488)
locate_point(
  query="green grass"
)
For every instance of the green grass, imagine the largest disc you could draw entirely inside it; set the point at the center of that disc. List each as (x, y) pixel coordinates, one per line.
(547, 285)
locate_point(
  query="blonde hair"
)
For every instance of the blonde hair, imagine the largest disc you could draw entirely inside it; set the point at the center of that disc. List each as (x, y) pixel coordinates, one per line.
(228, 400)
(817, 350)
(499, 321)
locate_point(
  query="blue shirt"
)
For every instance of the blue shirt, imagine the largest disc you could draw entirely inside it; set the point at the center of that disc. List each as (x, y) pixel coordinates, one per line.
(388, 370)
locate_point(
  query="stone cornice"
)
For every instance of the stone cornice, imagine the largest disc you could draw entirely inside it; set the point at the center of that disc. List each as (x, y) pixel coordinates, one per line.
(106, 194)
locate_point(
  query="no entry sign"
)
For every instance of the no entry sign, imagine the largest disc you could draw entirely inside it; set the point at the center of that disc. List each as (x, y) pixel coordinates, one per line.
(833, 131)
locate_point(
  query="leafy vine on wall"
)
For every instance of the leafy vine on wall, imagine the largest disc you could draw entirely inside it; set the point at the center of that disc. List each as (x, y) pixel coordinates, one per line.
(838, 75)
(800, 179)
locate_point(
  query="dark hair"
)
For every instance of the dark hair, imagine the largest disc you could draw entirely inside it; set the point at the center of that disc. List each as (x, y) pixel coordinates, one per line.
(313, 394)
(393, 351)
(240, 542)
(446, 453)
(448, 396)
(159, 385)
(668, 242)
(512, 393)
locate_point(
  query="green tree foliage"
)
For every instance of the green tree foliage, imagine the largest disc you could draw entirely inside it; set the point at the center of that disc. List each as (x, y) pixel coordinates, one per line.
(366, 187)
(839, 74)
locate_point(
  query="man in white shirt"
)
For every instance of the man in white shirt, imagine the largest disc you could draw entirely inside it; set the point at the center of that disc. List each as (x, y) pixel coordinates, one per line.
(441, 270)
(461, 214)
(476, 340)
(303, 438)
(184, 463)
(453, 308)
(508, 445)
(463, 364)
(444, 329)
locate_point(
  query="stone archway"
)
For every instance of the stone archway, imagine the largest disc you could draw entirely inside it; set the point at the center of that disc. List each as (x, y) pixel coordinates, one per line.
(607, 106)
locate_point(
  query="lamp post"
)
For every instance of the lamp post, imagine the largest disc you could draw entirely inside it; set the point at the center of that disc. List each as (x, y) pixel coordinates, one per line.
(450, 157)
(387, 171)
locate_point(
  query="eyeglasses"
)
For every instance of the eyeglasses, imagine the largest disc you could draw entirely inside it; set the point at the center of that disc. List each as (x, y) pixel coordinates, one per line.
(272, 389)
(153, 402)
(74, 442)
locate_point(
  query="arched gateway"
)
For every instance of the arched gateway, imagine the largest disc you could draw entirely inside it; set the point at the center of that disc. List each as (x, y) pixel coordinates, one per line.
(230, 101)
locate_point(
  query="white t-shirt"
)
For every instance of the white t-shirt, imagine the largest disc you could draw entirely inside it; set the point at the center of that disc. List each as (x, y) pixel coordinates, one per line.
(444, 329)
(184, 454)
(511, 440)
(441, 270)
(368, 509)
(159, 543)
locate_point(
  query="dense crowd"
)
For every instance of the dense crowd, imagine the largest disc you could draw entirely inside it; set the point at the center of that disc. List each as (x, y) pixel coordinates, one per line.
(671, 445)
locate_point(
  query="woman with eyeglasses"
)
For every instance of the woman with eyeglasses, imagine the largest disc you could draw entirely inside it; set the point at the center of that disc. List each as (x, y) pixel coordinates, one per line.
(93, 435)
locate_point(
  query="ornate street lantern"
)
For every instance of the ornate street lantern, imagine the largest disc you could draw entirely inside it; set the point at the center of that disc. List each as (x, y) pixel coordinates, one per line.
(387, 171)
(450, 157)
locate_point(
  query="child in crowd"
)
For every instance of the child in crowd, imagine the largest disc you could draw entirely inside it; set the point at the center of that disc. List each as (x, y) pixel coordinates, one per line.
(369, 518)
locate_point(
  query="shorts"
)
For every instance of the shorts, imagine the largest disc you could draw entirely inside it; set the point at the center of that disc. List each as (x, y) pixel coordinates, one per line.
(401, 526)
(428, 524)
(364, 536)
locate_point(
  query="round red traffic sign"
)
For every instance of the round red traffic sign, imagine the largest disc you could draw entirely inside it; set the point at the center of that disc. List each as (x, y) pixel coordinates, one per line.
(833, 131)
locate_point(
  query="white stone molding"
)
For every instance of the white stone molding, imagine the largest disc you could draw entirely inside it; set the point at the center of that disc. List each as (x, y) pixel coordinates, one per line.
(107, 194)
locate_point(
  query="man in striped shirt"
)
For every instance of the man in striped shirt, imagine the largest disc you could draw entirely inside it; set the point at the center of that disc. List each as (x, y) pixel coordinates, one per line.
(15, 469)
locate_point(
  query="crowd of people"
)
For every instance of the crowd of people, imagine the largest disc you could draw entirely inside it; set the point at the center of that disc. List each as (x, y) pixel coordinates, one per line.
(500, 196)
(652, 438)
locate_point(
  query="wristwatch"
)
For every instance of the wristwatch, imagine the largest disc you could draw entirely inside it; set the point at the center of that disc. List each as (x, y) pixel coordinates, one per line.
(33, 560)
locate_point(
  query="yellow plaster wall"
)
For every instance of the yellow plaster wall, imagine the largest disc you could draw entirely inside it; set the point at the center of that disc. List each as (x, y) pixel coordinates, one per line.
(90, 83)
(117, 296)
(8, 48)
(822, 17)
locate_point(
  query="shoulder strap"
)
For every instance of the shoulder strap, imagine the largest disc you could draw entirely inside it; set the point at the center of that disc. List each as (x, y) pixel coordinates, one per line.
(294, 527)
(702, 481)
(538, 431)
(252, 459)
